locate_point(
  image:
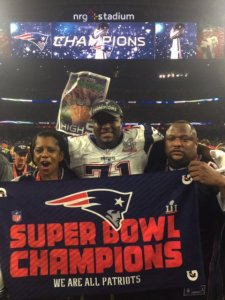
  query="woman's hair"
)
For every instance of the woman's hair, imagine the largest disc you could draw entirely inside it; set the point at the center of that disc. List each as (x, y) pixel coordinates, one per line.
(62, 143)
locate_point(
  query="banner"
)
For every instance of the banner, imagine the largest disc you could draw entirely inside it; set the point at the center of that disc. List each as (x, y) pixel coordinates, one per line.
(113, 235)
(114, 40)
(81, 91)
(83, 40)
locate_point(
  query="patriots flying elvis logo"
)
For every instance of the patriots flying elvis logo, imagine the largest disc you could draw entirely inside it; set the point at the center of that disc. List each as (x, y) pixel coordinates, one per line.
(110, 205)
(37, 38)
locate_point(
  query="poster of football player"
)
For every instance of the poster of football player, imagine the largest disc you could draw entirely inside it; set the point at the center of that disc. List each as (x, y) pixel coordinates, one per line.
(210, 42)
(81, 91)
(175, 40)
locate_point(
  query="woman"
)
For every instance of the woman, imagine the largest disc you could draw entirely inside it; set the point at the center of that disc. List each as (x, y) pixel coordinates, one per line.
(50, 155)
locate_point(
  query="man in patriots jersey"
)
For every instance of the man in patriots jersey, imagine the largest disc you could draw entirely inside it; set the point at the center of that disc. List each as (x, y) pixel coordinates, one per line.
(111, 151)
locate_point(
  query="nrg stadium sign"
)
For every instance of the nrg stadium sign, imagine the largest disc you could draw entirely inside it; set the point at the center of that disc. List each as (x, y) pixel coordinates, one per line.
(92, 16)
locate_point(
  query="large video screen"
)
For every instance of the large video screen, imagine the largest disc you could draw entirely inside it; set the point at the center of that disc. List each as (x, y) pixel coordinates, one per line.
(4, 41)
(211, 42)
(175, 40)
(80, 40)
(31, 39)
(117, 40)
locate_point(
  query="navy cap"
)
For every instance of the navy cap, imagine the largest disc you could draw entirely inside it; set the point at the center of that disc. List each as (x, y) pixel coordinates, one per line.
(20, 148)
(109, 107)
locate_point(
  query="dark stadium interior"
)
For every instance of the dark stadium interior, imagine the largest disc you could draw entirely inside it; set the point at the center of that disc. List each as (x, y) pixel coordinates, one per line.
(131, 80)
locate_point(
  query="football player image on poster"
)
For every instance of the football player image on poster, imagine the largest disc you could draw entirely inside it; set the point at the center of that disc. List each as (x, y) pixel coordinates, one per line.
(175, 40)
(210, 42)
(81, 91)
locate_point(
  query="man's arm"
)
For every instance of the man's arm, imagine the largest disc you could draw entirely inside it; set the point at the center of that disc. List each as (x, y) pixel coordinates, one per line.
(203, 173)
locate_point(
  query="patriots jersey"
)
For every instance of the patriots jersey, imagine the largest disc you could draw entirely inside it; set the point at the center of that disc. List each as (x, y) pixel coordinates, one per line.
(87, 160)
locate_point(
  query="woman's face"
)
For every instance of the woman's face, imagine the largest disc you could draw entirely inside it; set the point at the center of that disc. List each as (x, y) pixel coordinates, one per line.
(47, 156)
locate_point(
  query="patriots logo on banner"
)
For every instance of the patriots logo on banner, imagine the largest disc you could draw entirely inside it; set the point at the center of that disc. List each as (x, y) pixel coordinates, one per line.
(38, 39)
(110, 205)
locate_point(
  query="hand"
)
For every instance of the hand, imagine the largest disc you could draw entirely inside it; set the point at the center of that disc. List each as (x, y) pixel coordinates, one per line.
(203, 173)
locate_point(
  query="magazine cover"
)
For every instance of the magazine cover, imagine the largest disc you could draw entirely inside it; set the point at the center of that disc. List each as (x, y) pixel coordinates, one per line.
(81, 91)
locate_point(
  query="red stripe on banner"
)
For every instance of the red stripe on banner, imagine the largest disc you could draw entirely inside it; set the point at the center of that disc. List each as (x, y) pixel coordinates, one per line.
(69, 198)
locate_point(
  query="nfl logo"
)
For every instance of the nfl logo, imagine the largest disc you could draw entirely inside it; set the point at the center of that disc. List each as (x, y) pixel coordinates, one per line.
(16, 216)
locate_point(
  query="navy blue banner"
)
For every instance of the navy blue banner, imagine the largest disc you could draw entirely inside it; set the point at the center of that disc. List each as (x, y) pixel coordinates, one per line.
(90, 236)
